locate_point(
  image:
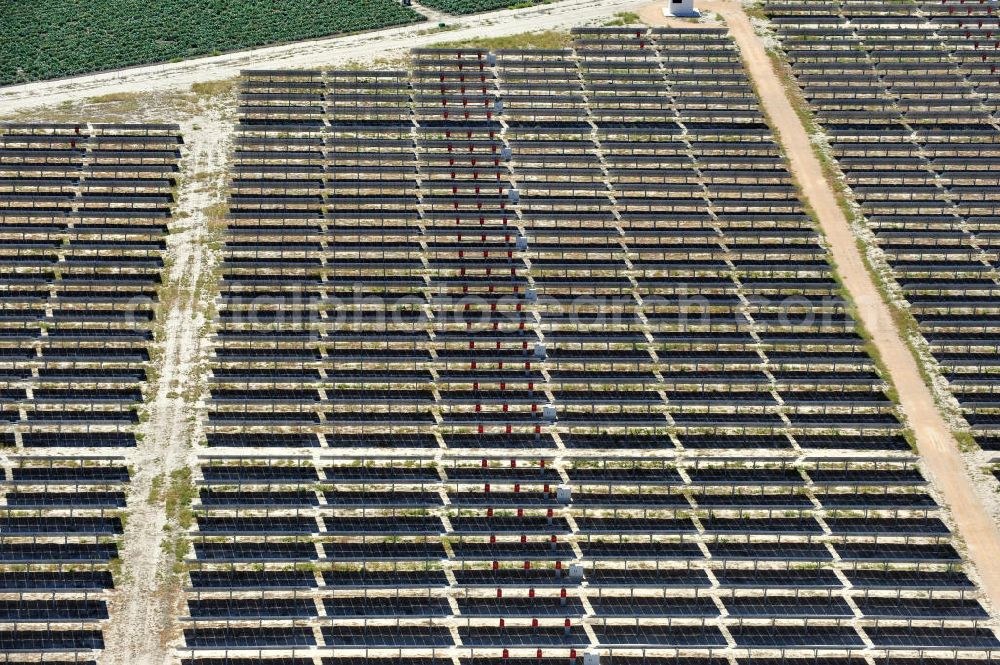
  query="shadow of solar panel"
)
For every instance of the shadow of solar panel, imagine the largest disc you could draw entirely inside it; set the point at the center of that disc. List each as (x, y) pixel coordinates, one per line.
(502, 524)
(532, 441)
(395, 440)
(988, 442)
(901, 552)
(262, 525)
(907, 476)
(395, 473)
(30, 611)
(634, 499)
(783, 500)
(496, 474)
(252, 608)
(692, 419)
(653, 607)
(624, 525)
(770, 551)
(665, 660)
(249, 579)
(42, 581)
(784, 607)
(78, 439)
(220, 474)
(893, 526)
(264, 375)
(396, 525)
(248, 638)
(249, 660)
(383, 551)
(773, 525)
(807, 660)
(397, 607)
(530, 498)
(70, 474)
(20, 641)
(684, 578)
(613, 441)
(60, 526)
(645, 475)
(932, 637)
(387, 636)
(903, 579)
(116, 374)
(477, 659)
(60, 354)
(513, 577)
(269, 440)
(744, 476)
(512, 551)
(708, 441)
(262, 419)
(658, 636)
(539, 636)
(795, 636)
(875, 501)
(42, 500)
(26, 553)
(640, 550)
(931, 660)
(838, 441)
(399, 660)
(83, 395)
(255, 551)
(95, 416)
(214, 498)
(918, 608)
(547, 606)
(779, 578)
(388, 579)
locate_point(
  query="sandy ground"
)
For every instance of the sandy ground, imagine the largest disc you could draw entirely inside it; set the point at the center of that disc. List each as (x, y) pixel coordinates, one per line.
(938, 449)
(322, 53)
(146, 604)
(142, 628)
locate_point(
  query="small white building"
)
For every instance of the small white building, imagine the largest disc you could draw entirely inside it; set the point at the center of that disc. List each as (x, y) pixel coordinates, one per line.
(680, 8)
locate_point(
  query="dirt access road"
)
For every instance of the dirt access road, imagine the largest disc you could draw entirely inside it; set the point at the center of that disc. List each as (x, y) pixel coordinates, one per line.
(144, 608)
(937, 447)
(314, 54)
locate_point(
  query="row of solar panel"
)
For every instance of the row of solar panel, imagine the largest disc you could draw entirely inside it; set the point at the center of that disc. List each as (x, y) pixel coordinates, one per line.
(84, 211)
(439, 131)
(370, 357)
(897, 140)
(437, 607)
(598, 576)
(367, 468)
(607, 635)
(583, 441)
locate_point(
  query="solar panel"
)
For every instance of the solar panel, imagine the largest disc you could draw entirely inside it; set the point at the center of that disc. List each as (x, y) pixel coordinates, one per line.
(494, 268)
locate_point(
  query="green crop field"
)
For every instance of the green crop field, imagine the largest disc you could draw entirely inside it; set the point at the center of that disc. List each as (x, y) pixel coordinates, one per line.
(51, 38)
(474, 6)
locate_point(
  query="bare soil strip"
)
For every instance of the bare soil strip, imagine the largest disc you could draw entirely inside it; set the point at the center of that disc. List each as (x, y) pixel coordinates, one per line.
(145, 607)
